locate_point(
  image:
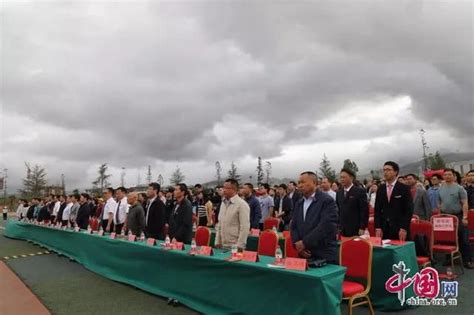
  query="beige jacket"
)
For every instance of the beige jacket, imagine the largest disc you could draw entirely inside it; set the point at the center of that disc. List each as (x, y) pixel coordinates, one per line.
(234, 222)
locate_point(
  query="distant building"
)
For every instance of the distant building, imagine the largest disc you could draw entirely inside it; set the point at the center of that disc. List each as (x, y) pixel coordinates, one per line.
(463, 166)
(53, 190)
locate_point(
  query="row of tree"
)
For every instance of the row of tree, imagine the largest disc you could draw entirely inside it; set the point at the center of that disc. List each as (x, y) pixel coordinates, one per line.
(35, 181)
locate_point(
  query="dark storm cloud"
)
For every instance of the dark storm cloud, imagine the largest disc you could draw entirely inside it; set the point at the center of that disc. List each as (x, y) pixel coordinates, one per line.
(135, 82)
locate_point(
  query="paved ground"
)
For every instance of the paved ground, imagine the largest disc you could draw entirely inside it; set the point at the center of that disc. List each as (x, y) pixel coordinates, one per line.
(65, 287)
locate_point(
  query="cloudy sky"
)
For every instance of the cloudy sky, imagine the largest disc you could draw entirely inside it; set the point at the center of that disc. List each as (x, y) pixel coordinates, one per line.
(137, 83)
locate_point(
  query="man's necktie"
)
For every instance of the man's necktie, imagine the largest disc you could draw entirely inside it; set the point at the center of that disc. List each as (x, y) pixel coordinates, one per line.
(117, 213)
(389, 191)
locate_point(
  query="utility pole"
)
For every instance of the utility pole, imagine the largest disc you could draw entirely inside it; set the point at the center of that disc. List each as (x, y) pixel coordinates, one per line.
(122, 177)
(148, 175)
(63, 184)
(425, 148)
(5, 176)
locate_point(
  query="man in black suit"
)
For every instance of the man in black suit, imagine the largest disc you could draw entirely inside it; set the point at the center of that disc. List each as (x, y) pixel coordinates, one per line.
(353, 206)
(82, 218)
(43, 213)
(31, 209)
(314, 223)
(181, 220)
(293, 193)
(62, 200)
(283, 207)
(155, 213)
(393, 206)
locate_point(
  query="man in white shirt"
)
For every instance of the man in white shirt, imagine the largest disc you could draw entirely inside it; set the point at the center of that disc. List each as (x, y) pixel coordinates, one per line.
(121, 209)
(326, 187)
(67, 211)
(109, 210)
(57, 205)
(74, 209)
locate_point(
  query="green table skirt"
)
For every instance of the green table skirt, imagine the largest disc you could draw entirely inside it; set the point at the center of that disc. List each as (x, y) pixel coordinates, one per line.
(210, 285)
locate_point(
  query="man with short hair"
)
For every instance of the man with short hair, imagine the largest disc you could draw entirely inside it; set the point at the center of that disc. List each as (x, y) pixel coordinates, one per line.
(293, 193)
(393, 206)
(254, 205)
(56, 207)
(67, 211)
(181, 220)
(283, 206)
(353, 205)
(470, 189)
(155, 214)
(314, 224)
(266, 204)
(59, 216)
(433, 191)
(121, 210)
(421, 202)
(136, 215)
(453, 200)
(234, 218)
(74, 209)
(326, 188)
(109, 210)
(82, 218)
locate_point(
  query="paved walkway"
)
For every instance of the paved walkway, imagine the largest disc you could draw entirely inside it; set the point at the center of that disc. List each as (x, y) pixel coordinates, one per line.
(15, 297)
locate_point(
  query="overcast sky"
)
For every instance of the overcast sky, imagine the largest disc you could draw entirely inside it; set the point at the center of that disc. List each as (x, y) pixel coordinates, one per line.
(137, 83)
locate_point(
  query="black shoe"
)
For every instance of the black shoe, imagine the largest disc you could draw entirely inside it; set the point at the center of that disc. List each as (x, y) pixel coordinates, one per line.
(170, 301)
(469, 265)
(175, 303)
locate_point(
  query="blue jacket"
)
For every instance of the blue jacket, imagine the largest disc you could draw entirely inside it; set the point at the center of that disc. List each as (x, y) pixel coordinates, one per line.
(255, 211)
(318, 230)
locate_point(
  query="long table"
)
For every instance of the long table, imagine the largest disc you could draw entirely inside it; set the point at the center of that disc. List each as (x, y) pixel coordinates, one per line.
(208, 284)
(383, 259)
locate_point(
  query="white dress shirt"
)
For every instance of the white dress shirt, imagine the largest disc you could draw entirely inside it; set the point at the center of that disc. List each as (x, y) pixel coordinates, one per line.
(110, 207)
(307, 203)
(67, 212)
(122, 208)
(57, 205)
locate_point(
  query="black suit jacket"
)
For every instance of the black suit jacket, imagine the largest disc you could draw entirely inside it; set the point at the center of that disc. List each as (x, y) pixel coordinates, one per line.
(396, 214)
(82, 218)
(287, 207)
(294, 199)
(181, 222)
(353, 210)
(30, 212)
(59, 216)
(156, 220)
(43, 214)
(318, 230)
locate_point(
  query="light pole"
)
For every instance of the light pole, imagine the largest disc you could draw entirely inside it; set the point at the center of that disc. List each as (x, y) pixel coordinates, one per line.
(5, 170)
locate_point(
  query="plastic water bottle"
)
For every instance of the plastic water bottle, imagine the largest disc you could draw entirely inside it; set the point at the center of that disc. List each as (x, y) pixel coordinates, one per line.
(142, 236)
(194, 226)
(234, 250)
(366, 234)
(193, 246)
(278, 256)
(274, 229)
(167, 242)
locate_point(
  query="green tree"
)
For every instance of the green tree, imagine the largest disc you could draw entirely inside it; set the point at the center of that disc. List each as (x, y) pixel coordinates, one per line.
(102, 180)
(260, 175)
(351, 165)
(160, 180)
(75, 192)
(268, 170)
(177, 177)
(375, 174)
(326, 170)
(35, 181)
(233, 172)
(436, 161)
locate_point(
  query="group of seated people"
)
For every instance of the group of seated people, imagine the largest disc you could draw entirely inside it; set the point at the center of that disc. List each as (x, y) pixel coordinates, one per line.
(313, 216)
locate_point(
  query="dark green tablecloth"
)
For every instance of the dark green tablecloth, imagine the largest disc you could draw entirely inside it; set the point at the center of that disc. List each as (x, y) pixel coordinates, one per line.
(210, 285)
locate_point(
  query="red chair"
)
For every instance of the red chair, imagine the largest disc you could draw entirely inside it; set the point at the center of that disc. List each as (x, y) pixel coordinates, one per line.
(470, 224)
(290, 250)
(269, 223)
(424, 228)
(371, 226)
(435, 212)
(203, 236)
(445, 238)
(371, 211)
(267, 243)
(356, 255)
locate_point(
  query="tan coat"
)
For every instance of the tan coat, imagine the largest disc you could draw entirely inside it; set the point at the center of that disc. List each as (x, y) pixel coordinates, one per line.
(234, 222)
